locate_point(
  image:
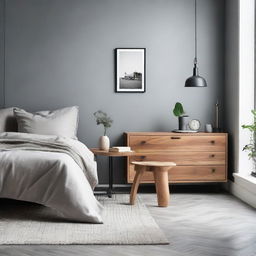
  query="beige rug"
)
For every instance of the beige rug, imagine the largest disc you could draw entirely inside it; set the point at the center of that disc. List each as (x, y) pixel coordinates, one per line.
(25, 223)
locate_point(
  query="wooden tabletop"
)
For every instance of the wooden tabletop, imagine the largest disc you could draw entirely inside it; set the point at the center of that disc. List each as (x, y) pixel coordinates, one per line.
(97, 151)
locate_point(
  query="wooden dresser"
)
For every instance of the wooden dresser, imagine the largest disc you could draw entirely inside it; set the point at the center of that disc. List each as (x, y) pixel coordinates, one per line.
(200, 157)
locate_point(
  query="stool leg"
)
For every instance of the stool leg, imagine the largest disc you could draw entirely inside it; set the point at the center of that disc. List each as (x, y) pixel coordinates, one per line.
(135, 184)
(162, 186)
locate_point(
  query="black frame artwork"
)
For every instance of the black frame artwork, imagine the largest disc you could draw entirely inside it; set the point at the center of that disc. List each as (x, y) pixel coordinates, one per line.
(130, 70)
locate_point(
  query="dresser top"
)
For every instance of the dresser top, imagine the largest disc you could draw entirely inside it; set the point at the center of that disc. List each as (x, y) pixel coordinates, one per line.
(176, 133)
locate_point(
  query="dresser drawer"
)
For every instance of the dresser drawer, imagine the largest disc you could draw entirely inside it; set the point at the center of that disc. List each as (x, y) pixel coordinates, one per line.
(184, 158)
(177, 143)
(186, 174)
(198, 173)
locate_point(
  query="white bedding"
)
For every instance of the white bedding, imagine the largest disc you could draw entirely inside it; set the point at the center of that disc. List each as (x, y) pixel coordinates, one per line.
(54, 171)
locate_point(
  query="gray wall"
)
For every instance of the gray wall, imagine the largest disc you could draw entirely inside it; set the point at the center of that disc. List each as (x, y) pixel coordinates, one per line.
(232, 82)
(60, 53)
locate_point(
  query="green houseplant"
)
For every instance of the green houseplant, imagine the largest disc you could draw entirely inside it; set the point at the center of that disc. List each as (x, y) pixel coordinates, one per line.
(103, 119)
(179, 112)
(251, 147)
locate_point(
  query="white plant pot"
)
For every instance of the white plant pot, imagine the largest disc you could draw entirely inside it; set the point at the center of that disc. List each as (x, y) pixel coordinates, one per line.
(104, 143)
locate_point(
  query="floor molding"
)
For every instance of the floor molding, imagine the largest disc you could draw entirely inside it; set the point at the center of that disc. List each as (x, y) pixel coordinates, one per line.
(150, 188)
(240, 190)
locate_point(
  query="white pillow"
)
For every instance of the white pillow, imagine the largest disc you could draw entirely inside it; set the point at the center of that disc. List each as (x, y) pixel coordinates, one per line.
(62, 122)
(8, 121)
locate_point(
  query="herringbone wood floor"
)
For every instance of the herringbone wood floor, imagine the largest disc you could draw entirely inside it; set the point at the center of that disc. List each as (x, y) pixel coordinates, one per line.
(195, 224)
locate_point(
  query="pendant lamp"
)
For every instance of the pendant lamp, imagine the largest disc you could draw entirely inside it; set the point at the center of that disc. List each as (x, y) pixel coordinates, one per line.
(195, 80)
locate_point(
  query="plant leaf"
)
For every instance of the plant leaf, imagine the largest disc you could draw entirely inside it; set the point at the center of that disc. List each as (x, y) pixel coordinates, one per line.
(102, 118)
(178, 109)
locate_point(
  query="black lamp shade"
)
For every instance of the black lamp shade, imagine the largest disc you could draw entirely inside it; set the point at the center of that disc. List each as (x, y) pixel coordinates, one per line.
(195, 80)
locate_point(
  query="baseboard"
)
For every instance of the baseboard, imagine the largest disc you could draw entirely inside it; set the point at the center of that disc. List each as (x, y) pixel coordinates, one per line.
(115, 186)
(174, 188)
(243, 192)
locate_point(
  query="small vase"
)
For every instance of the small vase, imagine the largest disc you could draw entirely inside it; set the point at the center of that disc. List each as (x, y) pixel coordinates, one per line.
(104, 143)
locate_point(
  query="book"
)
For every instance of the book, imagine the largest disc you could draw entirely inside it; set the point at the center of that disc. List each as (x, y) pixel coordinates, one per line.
(120, 149)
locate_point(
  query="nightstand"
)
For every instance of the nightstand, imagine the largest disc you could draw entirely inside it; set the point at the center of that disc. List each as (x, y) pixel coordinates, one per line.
(110, 155)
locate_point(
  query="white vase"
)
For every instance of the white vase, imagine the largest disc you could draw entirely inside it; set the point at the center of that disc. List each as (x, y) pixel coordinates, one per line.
(104, 143)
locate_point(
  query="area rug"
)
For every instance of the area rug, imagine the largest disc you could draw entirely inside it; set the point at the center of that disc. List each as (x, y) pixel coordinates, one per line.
(26, 223)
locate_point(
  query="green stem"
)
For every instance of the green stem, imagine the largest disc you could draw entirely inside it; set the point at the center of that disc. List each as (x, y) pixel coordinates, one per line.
(105, 131)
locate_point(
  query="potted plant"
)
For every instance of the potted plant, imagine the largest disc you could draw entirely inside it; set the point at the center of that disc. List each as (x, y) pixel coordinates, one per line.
(179, 112)
(251, 147)
(106, 121)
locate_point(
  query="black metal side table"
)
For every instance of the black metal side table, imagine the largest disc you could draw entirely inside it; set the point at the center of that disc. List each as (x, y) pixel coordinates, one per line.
(110, 155)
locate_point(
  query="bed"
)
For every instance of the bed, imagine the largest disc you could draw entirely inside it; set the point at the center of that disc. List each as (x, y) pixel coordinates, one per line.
(52, 170)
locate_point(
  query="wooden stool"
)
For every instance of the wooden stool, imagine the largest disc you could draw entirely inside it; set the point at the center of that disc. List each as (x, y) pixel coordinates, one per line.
(160, 170)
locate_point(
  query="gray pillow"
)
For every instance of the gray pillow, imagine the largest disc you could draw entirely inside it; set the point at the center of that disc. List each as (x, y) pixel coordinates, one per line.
(61, 122)
(8, 121)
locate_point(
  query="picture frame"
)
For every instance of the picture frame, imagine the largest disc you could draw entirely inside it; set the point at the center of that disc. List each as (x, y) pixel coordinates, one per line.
(130, 70)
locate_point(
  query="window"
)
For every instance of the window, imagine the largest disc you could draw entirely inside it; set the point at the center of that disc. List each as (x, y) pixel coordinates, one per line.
(246, 78)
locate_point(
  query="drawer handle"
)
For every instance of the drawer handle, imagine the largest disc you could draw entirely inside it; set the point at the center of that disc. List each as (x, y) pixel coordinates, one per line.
(213, 170)
(142, 157)
(212, 155)
(143, 142)
(175, 138)
(212, 141)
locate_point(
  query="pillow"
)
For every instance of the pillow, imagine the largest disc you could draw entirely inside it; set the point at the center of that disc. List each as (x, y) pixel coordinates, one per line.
(61, 122)
(8, 121)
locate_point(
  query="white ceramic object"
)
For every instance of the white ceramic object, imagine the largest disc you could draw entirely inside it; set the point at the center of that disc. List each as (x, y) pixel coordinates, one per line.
(104, 143)
(208, 128)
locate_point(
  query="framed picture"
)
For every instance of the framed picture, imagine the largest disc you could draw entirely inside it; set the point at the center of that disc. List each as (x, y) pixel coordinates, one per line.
(130, 70)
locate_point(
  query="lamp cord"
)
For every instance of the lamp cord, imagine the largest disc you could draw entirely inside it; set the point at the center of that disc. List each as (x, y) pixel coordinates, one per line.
(195, 59)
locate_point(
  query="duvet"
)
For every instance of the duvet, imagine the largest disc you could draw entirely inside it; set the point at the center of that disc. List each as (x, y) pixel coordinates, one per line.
(53, 171)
